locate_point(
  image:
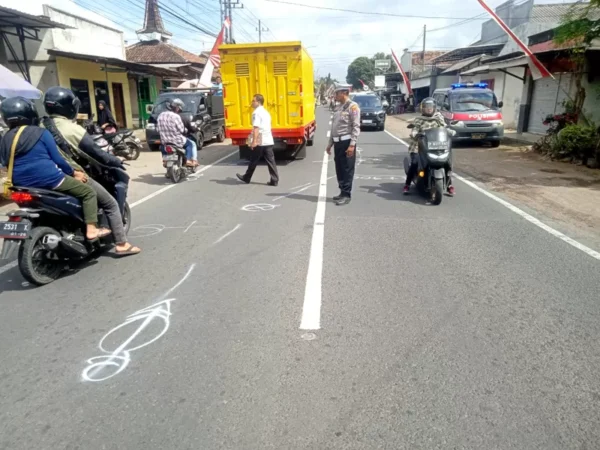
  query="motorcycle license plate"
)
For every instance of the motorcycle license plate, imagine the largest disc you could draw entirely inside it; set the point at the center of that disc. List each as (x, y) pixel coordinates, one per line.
(14, 230)
(367, 121)
(170, 158)
(478, 136)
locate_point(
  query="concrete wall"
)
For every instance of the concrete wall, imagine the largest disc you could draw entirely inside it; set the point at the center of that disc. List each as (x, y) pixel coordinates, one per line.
(83, 70)
(508, 89)
(591, 106)
(512, 14)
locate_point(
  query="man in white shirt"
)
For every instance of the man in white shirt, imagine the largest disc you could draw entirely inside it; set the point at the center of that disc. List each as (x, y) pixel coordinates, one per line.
(262, 142)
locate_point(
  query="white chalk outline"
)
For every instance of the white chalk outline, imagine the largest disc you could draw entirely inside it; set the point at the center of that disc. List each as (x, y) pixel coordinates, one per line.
(121, 356)
(271, 207)
(538, 223)
(226, 235)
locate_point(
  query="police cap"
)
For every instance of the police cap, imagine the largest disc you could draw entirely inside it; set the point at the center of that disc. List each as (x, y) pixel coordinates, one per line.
(343, 87)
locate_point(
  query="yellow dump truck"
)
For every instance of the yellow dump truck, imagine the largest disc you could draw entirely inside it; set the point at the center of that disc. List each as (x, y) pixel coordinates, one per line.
(283, 73)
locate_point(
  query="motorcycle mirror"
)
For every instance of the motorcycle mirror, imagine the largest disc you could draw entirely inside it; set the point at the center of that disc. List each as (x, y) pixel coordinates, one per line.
(500, 104)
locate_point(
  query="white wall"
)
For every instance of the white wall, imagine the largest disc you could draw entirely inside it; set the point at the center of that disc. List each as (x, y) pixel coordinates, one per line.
(591, 105)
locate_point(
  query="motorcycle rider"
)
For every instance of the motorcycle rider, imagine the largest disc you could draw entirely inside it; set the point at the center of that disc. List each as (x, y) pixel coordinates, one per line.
(430, 118)
(172, 131)
(78, 148)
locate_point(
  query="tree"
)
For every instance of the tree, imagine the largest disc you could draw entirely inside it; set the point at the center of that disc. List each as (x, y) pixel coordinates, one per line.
(362, 68)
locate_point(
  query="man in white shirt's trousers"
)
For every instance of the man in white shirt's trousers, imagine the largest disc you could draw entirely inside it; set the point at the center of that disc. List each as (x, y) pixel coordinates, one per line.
(262, 142)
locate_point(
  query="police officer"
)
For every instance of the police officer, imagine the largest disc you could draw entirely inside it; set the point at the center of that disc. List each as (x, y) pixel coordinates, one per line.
(345, 129)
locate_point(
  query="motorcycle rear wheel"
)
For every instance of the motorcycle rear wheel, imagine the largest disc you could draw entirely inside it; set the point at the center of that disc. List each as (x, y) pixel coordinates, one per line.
(134, 151)
(174, 173)
(35, 263)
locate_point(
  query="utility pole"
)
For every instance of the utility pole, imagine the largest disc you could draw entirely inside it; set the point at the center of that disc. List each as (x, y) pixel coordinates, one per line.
(260, 30)
(424, 37)
(233, 5)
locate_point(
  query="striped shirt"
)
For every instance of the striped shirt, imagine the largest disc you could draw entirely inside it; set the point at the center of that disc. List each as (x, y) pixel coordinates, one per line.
(171, 129)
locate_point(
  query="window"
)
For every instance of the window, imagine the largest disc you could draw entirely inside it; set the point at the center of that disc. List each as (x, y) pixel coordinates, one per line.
(81, 89)
(367, 101)
(475, 101)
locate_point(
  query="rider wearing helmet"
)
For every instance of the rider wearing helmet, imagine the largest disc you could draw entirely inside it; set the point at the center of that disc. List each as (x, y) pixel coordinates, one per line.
(172, 130)
(430, 118)
(37, 162)
(80, 150)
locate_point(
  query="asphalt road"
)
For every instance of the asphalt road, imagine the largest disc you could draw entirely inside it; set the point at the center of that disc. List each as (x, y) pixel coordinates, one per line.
(441, 327)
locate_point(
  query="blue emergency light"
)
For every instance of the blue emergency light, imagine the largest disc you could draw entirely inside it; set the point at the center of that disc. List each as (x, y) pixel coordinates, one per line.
(469, 85)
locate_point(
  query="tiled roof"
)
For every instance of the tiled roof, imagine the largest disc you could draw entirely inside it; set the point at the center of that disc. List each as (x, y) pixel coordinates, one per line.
(152, 52)
(429, 55)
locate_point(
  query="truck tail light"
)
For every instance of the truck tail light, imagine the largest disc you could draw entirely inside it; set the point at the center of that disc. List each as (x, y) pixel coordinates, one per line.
(294, 141)
(238, 141)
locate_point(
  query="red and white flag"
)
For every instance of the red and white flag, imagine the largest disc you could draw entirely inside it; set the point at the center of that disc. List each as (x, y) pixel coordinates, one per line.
(538, 70)
(214, 59)
(404, 77)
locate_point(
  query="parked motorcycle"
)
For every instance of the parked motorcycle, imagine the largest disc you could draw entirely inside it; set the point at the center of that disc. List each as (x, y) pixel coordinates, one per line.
(435, 148)
(122, 143)
(174, 160)
(49, 231)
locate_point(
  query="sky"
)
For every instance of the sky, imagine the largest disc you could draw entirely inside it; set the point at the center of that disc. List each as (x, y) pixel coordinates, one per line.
(333, 38)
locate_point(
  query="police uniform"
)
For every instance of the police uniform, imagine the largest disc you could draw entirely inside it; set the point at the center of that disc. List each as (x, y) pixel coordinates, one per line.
(345, 129)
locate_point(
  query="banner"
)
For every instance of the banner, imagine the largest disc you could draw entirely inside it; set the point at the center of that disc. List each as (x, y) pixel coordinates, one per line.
(537, 68)
(404, 77)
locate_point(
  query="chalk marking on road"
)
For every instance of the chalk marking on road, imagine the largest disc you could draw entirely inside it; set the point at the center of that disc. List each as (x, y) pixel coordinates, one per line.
(190, 226)
(311, 309)
(121, 356)
(294, 192)
(257, 207)
(302, 185)
(226, 235)
(397, 138)
(563, 237)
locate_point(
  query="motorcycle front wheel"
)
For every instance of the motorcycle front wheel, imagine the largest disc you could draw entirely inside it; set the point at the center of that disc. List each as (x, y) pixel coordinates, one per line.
(37, 264)
(438, 192)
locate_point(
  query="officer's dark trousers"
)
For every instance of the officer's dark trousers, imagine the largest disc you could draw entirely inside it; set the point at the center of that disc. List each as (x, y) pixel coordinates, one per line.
(344, 167)
(257, 153)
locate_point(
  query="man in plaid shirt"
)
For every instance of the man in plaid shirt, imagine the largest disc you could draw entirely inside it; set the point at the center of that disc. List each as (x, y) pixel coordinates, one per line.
(172, 131)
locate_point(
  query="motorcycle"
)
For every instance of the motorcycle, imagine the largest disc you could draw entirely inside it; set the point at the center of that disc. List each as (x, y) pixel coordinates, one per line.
(48, 230)
(122, 143)
(435, 148)
(174, 160)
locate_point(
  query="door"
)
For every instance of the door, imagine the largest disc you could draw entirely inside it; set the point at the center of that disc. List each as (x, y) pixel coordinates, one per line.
(548, 97)
(81, 89)
(101, 92)
(119, 109)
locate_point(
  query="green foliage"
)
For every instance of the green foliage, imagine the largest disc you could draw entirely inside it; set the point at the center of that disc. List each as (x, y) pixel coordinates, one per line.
(572, 143)
(361, 68)
(581, 24)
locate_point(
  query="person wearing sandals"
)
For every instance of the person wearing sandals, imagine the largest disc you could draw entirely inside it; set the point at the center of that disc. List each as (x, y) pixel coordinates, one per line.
(39, 164)
(62, 106)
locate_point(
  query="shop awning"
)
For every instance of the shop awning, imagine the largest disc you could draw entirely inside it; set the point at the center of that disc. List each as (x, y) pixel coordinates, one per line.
(11, 85)
(420, 83)
(130, 67)
(506, 64)
(462, 64)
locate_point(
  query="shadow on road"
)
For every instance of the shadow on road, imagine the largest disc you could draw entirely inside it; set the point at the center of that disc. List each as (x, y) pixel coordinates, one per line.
(153, 180)
(393, 191)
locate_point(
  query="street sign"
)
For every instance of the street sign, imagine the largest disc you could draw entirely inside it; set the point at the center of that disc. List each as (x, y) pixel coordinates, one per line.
(379, 81)
(383, 64)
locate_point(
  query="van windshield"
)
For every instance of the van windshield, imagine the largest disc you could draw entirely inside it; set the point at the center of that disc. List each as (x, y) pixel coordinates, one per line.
(190, 103)
(473, 101)
(367, 101)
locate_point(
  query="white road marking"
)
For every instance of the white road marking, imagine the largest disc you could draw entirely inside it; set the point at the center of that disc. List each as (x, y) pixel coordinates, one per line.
(295, 192)
(303, 185)
(190, 226)
(397, 138)
(7, 267)
(311, 310)
(226, 235)
(328, 134)
(171, 186)
(563, 237)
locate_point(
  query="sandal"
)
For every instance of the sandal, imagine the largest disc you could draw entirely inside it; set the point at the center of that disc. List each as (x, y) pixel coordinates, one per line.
(102, 232)
(129, 250)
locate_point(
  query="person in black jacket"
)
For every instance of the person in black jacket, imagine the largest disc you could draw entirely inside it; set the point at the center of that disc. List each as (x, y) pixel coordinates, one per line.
(62, 105)
(106, 121)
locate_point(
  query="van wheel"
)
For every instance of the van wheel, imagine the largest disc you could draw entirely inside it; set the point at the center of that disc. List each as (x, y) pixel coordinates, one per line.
(495, 144)
(200, 141)
(221, 135)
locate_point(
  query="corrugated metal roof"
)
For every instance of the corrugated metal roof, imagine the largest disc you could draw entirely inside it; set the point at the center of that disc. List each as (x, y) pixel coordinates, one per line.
(463, 63)
(514, 62)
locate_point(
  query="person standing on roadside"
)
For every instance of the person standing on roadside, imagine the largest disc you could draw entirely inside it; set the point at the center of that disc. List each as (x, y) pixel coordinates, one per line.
(261, 142)
(345, 129)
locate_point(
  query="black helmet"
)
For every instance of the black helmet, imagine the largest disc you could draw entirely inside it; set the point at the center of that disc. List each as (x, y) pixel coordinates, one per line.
(175, 103)
(18, 111)
(428, 107)
(62, 102)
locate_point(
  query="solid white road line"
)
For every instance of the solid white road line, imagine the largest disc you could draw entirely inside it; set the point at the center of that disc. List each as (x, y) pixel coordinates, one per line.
(538, 223)
(229, 233)
(311, 309)
(171, 186)
(397, 138)
(7, 267)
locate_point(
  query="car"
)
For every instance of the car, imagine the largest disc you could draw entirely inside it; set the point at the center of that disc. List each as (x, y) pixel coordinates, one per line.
(372, 112)
(473, 111)
(204, 108)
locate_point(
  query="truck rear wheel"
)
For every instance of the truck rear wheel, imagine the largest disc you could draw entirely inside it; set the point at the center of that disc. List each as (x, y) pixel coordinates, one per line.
(301, 154)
